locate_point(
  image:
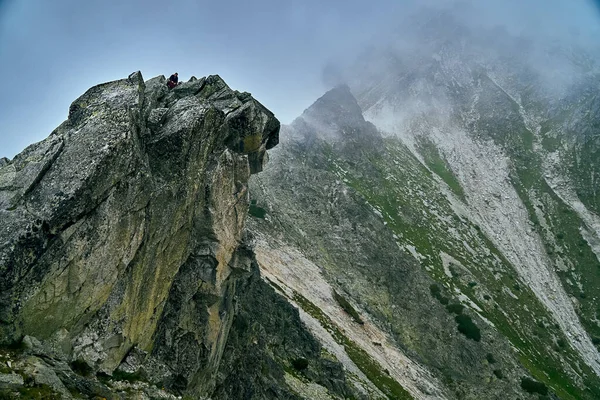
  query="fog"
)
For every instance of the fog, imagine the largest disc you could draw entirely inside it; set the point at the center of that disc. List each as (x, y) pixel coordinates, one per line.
(555, 38)
(286, 53)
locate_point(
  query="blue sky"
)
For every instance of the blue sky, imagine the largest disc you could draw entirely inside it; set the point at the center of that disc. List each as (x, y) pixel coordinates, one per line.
(52, 51)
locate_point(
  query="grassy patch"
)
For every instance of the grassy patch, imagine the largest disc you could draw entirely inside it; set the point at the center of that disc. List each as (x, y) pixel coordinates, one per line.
(300, 364)
(550, 144)
(439, 166)
(275, 285)
(257, 212)
(38, 392)
(455, 308)
(127, 376)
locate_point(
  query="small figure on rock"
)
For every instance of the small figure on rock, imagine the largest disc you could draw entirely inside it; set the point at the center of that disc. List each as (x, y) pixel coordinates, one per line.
(173, 81)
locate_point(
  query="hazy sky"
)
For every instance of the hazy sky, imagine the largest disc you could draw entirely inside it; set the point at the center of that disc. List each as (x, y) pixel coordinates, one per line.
(51, 51)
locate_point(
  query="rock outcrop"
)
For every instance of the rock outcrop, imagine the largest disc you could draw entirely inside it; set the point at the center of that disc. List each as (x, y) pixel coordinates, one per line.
(336, 117)
(121, 248)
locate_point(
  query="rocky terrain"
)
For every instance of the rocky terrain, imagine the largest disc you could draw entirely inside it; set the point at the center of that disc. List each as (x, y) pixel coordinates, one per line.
(124, 270)
(447, 198)
(428, 230)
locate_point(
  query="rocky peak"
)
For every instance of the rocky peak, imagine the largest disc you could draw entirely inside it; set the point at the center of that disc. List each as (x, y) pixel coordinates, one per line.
(127, 218)
(336, 116)
(337, 105)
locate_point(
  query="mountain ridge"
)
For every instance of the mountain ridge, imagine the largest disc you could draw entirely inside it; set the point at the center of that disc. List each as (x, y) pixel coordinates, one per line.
(419, 196)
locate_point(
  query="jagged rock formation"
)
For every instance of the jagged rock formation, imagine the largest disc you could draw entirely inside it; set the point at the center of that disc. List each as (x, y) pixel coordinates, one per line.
(122, 257)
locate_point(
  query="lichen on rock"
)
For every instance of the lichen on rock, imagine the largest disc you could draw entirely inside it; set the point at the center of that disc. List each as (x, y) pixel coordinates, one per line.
(122, 231)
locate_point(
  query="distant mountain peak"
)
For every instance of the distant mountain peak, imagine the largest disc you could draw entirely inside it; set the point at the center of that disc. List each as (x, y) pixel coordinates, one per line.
(335, 116)
(338, 104)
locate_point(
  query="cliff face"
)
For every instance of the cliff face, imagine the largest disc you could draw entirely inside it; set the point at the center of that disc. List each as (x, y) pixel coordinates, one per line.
(121, 243)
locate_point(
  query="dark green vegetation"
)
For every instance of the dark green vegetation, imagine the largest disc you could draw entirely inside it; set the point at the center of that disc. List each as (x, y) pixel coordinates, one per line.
(531, 386)
(455, 308)
(256, 211)
(465, 323)
(467, 327)
(300, 363)
(439, 166)
(131, 377)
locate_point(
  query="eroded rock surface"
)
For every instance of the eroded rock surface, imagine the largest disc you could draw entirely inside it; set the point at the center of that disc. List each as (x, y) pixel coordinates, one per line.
(121, 244)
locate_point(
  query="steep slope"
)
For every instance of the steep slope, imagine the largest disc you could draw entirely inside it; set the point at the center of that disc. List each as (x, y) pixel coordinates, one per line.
(391, 232)
(524, 159)
(515, 141)
(123, 269)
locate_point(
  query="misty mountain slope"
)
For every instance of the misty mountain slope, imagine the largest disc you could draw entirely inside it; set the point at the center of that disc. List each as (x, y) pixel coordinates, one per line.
(460, 106)
(388, 234)
(470, 94)
(406, 236)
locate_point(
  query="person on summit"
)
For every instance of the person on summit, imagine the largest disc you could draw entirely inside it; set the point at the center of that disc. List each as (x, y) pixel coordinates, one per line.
(173, 81)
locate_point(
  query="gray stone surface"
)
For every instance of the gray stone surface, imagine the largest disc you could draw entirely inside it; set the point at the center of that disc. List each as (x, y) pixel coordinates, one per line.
(42, 374)
(11, 381)
(122, 260)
